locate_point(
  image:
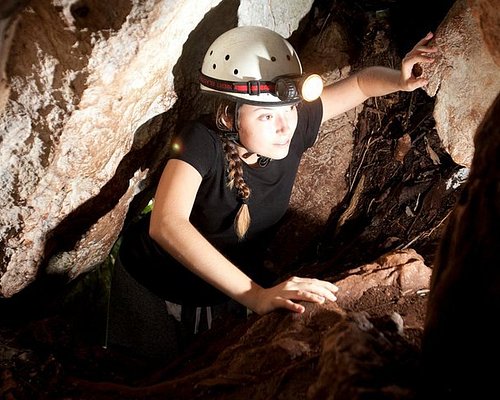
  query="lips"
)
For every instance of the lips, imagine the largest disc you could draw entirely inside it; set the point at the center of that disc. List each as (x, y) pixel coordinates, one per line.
(285, 143)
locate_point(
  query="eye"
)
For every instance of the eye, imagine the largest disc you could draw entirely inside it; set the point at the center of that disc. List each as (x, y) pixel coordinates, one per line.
(266, 117)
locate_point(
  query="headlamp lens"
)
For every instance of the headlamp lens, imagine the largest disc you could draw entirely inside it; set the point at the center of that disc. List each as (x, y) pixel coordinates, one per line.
(312, 87)
(308, 87)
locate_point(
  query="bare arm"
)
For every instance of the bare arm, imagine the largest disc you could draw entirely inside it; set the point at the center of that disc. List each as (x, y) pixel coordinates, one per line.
(348, 93)
(170, 228)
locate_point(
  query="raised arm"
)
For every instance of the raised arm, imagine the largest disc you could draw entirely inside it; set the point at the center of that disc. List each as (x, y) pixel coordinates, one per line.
(348, 93)
(170, 228)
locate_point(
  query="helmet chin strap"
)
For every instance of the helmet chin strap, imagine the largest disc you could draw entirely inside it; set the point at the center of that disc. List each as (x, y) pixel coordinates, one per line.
(262, 161)
(234, 136)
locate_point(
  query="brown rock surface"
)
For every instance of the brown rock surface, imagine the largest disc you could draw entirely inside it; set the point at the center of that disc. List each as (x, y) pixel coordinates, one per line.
(488, 14)
(464, 77)
(403, 269)
(336, 350)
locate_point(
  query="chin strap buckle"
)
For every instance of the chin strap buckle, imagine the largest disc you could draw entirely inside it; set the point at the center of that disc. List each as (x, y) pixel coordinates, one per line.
(263, 161)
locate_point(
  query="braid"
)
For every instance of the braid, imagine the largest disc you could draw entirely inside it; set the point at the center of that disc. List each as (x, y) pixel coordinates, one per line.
(235, 179)
(225, 122)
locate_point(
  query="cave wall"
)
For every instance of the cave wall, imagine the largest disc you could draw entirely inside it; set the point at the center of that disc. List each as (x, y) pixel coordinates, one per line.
(466, 73)
(78, 77)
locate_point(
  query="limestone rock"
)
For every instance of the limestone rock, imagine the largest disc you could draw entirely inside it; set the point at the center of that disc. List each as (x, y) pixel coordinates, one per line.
(282, 17)
(84, 77)
(351, 349)
(488, 14)
(464, 76)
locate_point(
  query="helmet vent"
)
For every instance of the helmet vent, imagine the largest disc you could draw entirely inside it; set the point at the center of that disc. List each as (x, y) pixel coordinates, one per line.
(235, 71)
(273, 59)
(288, 57)
(211, 52)
(227, 57)
(214, 66)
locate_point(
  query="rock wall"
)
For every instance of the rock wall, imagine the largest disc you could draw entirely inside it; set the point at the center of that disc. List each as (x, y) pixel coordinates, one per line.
(82, 81)
(466, 74)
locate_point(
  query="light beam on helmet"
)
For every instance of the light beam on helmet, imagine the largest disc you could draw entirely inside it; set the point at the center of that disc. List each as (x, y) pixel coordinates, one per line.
(312, 87)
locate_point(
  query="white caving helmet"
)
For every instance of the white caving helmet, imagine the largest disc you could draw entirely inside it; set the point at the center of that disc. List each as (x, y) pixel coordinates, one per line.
(256, 65)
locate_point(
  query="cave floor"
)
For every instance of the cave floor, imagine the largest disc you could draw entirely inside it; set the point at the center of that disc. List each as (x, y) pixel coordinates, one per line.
(63, 357)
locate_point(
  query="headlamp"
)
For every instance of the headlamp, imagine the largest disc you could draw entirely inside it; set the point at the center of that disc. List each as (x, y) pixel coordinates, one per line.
(287, 88)
(306, 87)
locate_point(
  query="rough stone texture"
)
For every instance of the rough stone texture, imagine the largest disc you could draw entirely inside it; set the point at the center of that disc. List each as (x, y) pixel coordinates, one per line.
(282, 17)
(404, 269)
(461, 335)
(92, 100)
(83, 78)
(351, 352)
(488, 14)
(464, 75)
(8, 23)
(329, 352)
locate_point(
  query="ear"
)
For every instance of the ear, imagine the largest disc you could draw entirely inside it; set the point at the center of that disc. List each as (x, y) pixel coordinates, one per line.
(227, 119)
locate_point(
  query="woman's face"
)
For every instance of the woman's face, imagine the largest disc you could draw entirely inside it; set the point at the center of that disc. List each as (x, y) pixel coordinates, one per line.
(267, 131)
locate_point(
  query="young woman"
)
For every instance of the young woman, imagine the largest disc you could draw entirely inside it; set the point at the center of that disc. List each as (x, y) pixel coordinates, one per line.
(227, 184)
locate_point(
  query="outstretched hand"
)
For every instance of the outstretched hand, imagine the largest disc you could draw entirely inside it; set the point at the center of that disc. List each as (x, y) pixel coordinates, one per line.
(421, 53)
(285, 294)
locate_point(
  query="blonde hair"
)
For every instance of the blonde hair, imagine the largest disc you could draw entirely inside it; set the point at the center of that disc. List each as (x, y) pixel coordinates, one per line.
(226, 121)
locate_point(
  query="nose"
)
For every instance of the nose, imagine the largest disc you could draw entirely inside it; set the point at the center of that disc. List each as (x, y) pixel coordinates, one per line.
(282, 125)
